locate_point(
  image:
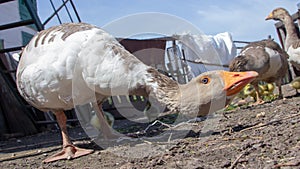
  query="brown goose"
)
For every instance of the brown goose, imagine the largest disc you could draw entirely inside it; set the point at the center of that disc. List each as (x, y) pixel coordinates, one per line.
(74, 64)
(267, 59)
(292, 42)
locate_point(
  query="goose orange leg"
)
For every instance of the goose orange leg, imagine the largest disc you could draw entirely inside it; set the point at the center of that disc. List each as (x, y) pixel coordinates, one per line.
(69, 151)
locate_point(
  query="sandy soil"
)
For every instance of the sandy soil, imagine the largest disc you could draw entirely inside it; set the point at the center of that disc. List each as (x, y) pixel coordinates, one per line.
(263, 136)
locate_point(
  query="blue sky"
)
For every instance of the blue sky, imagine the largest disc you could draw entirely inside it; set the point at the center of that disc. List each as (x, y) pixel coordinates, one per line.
(244, 19)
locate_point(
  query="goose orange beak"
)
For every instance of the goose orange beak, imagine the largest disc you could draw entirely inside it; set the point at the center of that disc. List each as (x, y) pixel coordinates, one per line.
(270, 16)
(236, 81)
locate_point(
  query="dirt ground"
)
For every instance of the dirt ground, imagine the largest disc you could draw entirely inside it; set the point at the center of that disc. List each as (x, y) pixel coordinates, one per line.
(263, 136)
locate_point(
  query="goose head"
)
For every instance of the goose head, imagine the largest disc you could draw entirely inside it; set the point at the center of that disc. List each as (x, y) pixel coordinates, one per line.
(278, 14)
(211, 91)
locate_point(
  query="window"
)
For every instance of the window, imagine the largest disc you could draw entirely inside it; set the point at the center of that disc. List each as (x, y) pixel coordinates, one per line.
(23, 11)
(26, 37)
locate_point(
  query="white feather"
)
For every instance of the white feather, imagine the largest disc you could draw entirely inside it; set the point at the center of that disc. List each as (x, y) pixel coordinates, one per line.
(54, 71)
(275, 62)
(294, 56)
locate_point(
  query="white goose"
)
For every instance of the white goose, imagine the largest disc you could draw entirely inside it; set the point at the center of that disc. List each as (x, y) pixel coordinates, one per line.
(292, 42)
(98, 64)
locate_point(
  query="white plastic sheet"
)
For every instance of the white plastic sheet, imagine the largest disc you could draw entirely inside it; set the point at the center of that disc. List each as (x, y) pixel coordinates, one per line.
(207, 52)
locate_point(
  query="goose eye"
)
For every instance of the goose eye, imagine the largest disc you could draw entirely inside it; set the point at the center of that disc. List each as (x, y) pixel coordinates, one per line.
(204, 80)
